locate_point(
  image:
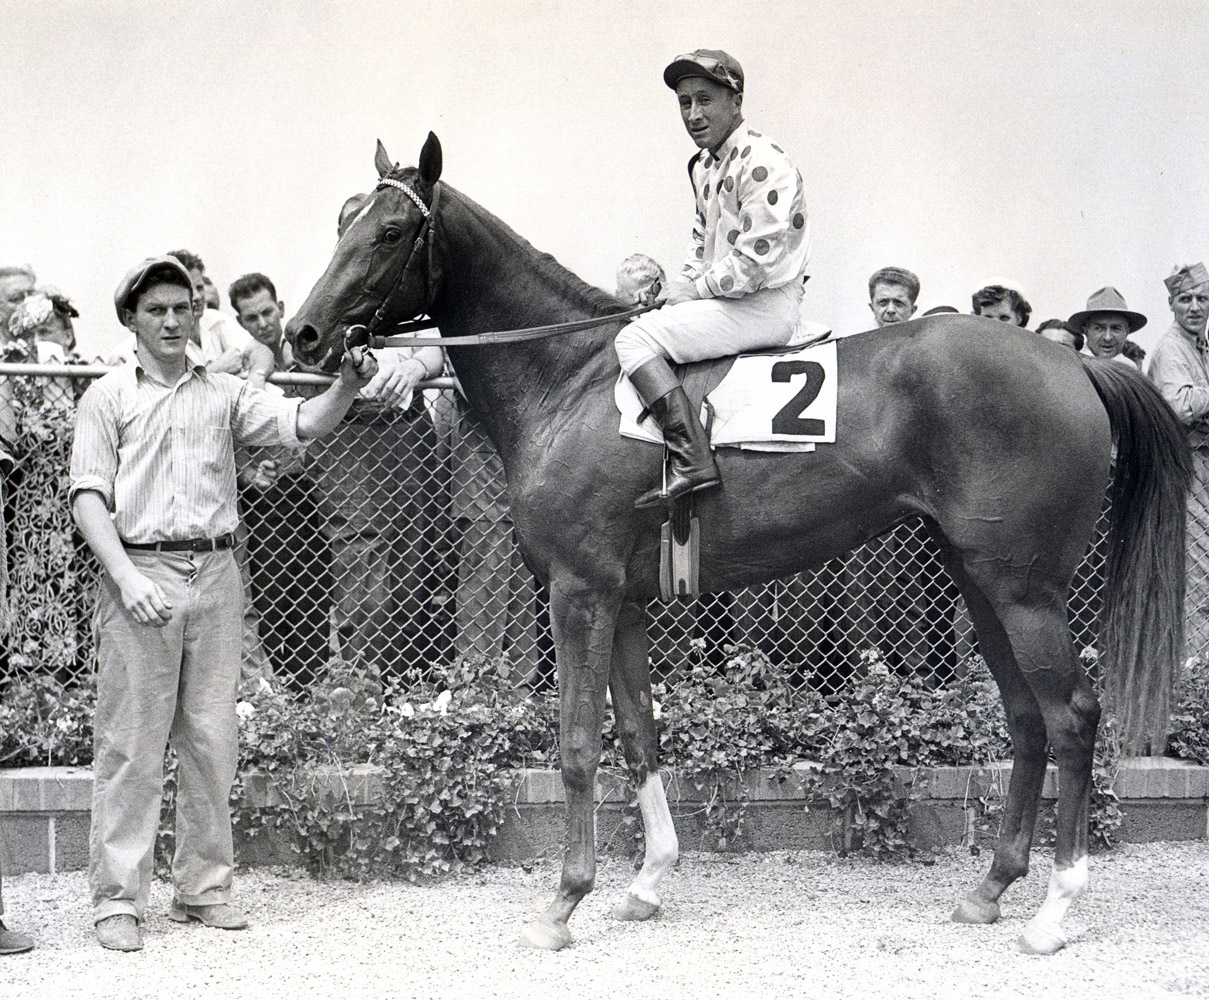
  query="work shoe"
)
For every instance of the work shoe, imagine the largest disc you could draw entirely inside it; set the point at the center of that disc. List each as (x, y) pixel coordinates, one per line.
(221, 915)
(13, 943)
(691, 466)
(119, 933)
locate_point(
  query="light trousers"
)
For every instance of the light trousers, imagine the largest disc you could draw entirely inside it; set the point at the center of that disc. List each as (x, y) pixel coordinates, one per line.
(177, 681)
(711, 328)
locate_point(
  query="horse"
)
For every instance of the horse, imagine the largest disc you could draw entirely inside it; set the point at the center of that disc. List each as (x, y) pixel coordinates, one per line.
(1000, 440)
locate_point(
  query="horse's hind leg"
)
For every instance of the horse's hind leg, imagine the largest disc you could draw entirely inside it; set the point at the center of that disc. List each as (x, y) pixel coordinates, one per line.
(630, 682)
(583, 616)
(1027, 727)
(1044, 650)
(1034, 620)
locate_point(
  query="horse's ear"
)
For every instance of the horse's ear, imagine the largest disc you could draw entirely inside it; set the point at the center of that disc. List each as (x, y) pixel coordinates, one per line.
(382, 160)
(430, 159)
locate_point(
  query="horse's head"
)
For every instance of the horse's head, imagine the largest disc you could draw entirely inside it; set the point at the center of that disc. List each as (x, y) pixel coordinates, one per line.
(382, 271)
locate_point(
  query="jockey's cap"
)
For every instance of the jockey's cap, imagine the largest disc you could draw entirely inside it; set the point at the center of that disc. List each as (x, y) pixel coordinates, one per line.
(712, 64)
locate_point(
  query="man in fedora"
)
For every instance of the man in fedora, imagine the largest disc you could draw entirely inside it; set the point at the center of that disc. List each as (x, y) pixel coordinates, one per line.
(1106, 324)
(741, 286)
(153, 493)
(1180, 369)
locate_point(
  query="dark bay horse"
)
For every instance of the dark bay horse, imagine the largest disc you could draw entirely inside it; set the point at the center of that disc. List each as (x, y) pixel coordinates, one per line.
(999, 439)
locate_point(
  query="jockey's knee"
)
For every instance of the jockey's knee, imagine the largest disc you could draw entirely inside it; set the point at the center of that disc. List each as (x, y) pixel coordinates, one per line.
(635, 347)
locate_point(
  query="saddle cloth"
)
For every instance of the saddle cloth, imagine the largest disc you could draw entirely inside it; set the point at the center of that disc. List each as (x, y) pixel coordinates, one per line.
(777, 400)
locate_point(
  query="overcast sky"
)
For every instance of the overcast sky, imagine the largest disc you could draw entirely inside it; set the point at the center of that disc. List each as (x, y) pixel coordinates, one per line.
(1057, 144)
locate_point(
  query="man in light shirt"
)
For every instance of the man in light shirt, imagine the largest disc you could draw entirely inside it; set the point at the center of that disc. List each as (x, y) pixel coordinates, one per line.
(1180, 369)
(741, 286)
(153, 493)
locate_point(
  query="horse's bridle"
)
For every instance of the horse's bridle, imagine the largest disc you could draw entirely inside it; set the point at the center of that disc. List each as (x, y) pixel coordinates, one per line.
(362, 334)
(367, 335)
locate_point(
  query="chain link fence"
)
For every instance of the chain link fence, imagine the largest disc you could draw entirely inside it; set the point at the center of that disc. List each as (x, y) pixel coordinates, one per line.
(390, 542)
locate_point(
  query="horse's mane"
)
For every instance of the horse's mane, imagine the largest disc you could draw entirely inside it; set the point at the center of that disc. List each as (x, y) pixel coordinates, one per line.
(562, 281)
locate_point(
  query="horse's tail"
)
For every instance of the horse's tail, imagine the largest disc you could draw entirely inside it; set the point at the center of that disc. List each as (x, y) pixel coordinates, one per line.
(1142, 622)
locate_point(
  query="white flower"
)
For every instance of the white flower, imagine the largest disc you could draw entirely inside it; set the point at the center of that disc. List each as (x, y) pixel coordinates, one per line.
(407, 711)
(441, 704)
(265, 686)
(245, 710)
(656, 710)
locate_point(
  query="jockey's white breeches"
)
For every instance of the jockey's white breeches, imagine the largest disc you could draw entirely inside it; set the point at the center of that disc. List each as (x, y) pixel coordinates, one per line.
(711, 328)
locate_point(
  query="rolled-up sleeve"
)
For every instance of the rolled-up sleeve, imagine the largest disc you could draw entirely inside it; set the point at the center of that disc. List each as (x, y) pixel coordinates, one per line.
(260, 417)
(94, 450)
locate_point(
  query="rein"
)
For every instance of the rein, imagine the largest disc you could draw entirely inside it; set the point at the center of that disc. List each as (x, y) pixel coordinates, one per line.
(367, 334)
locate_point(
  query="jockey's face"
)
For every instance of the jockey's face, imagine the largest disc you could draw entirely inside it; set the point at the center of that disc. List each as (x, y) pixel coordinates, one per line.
(891, 303)
(710, 111)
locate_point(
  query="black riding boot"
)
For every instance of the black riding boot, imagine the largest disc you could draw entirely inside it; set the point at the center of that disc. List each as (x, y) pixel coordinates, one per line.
(692, 462)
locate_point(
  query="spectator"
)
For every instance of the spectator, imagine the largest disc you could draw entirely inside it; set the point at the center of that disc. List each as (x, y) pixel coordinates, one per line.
(892, 295)
(212, 300)
(1178, 367)
(16, 282)
(224, 346)
(640, 279)
(1002, 301)
(377, 481)
(153, 492)
(496, 599)
(1106, 323)
(1059, 332)
(902, 601)
(288, 557)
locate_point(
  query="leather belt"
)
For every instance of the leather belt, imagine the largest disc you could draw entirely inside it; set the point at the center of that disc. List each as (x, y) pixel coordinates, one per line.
(186, 544)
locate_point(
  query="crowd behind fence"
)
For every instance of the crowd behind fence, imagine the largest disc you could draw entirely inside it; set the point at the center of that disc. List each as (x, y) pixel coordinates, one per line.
(389, 543)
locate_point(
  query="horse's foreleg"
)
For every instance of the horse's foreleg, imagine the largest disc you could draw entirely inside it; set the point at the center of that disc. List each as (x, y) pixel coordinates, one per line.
(1027, 729)
(583, 621)
(1071, 716)
(630, 682)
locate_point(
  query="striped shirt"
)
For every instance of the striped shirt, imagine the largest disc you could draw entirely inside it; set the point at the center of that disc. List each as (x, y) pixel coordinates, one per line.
(752, 230)
(162, 457)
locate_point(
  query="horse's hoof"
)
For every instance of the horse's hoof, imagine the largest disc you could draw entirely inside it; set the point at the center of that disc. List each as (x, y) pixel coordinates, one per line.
(1039, 939)
(545, 935)
(975, 911)
(633, 908)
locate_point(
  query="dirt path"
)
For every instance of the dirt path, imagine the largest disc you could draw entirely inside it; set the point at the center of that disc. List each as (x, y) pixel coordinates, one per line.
(786, 924)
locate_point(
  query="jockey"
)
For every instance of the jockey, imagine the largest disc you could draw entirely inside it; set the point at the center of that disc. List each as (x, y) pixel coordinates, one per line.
(741, 287)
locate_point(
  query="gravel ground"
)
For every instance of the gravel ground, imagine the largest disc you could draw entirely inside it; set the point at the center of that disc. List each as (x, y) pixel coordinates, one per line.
(783, 924)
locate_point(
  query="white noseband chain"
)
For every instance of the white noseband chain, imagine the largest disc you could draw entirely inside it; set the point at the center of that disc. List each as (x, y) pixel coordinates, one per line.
(406, 189)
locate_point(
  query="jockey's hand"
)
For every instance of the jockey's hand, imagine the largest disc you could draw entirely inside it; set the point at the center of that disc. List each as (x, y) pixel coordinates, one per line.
(144, 601)
(358, 367)
(396, 381)
(649, 295)
(680, 291)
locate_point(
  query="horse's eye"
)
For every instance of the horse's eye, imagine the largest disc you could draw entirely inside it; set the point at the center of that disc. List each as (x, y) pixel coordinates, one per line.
(392, 236)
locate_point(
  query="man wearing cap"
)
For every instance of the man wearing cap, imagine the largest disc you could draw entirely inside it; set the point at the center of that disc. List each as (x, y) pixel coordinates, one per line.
(1180, 369)
(741, 287)
(153, 493)
(1106, 324)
